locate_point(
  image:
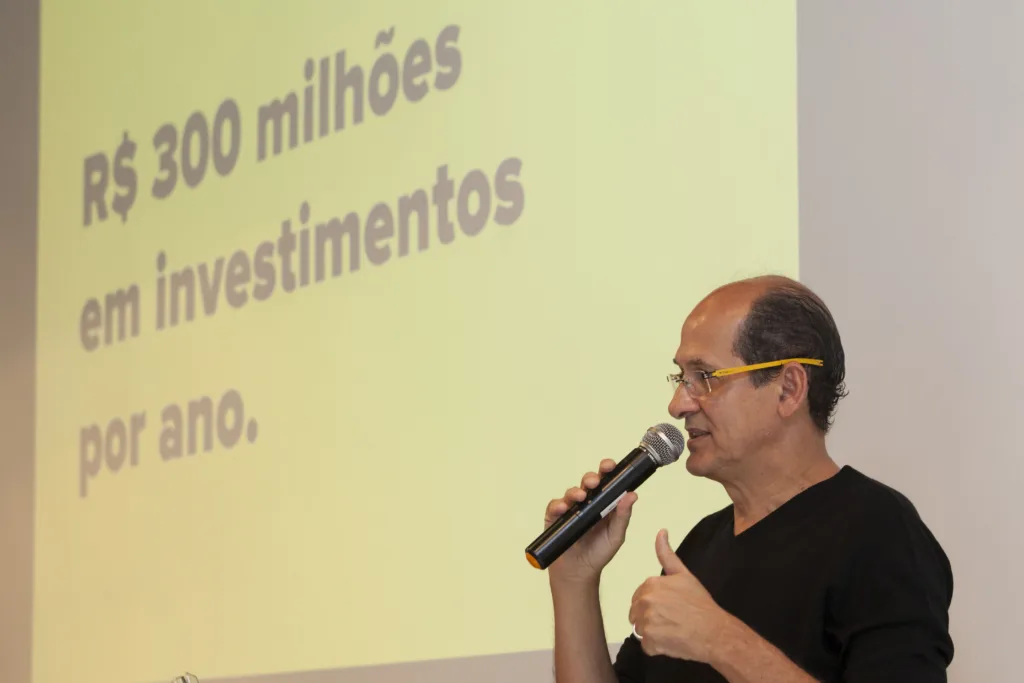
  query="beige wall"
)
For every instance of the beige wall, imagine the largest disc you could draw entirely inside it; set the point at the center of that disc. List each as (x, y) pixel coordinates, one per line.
(19, 46)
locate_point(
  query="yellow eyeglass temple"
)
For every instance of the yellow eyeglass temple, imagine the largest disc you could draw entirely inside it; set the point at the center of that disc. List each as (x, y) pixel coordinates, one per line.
(769, 364)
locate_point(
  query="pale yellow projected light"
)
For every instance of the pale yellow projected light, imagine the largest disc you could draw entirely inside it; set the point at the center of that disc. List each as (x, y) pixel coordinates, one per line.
(306, 384)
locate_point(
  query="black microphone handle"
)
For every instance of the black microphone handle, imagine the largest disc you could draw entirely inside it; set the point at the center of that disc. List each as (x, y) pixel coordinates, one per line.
(628, 474)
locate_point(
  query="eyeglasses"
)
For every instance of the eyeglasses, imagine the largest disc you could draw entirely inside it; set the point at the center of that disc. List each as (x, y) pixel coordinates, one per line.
(701, 385)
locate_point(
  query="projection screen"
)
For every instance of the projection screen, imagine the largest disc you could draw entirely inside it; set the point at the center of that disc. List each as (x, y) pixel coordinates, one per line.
(331, 299)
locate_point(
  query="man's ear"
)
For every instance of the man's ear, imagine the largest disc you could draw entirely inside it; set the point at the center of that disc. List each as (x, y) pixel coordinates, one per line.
(793, 385)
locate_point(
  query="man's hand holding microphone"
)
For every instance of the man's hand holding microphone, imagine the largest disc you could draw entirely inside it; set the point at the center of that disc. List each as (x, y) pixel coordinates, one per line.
(672, 614)
(585, 559)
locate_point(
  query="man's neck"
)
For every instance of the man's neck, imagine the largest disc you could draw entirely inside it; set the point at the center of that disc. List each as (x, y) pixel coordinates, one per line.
(775, 477)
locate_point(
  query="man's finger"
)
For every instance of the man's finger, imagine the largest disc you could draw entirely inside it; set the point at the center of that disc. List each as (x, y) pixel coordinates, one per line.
(620, 516)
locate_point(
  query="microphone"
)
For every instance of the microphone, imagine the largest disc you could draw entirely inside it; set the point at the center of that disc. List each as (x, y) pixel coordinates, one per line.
(661, 445)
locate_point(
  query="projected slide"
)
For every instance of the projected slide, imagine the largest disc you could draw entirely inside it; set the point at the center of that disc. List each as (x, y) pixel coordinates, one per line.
(334, 297)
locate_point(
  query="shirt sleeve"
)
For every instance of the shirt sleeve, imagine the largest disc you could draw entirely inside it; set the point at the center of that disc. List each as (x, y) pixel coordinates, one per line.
(630, 663)
(891, 617)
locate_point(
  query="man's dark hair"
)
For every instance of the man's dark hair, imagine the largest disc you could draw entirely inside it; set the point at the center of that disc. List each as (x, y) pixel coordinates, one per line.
(790, 321)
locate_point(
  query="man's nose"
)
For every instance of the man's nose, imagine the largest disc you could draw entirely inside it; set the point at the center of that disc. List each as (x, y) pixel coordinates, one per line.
(682, 404)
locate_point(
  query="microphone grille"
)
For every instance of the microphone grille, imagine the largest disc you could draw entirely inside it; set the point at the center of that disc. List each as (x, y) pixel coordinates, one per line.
(664, 442)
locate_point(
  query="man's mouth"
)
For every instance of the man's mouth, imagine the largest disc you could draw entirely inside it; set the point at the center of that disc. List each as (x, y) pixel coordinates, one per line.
(696, 433)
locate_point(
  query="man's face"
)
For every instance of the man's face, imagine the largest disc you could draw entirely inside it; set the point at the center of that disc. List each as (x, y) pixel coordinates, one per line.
(728, 426)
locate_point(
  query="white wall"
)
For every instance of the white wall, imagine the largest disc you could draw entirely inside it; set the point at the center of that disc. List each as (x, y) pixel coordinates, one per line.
(912, 229)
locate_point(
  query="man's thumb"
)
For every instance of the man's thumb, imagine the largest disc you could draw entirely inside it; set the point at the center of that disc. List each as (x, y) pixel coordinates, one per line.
(620, 519)
(670, 562)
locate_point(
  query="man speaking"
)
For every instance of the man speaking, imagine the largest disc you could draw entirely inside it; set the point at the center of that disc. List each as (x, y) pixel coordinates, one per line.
(814, 572)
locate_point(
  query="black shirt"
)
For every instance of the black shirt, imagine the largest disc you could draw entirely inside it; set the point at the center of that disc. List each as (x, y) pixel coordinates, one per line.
(844, 578)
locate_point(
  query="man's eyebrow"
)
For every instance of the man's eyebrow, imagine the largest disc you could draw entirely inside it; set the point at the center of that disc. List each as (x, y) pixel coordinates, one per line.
(696, 362)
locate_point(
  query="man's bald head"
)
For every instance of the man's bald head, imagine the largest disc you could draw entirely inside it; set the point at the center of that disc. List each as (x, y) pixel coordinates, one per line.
(745, 292)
